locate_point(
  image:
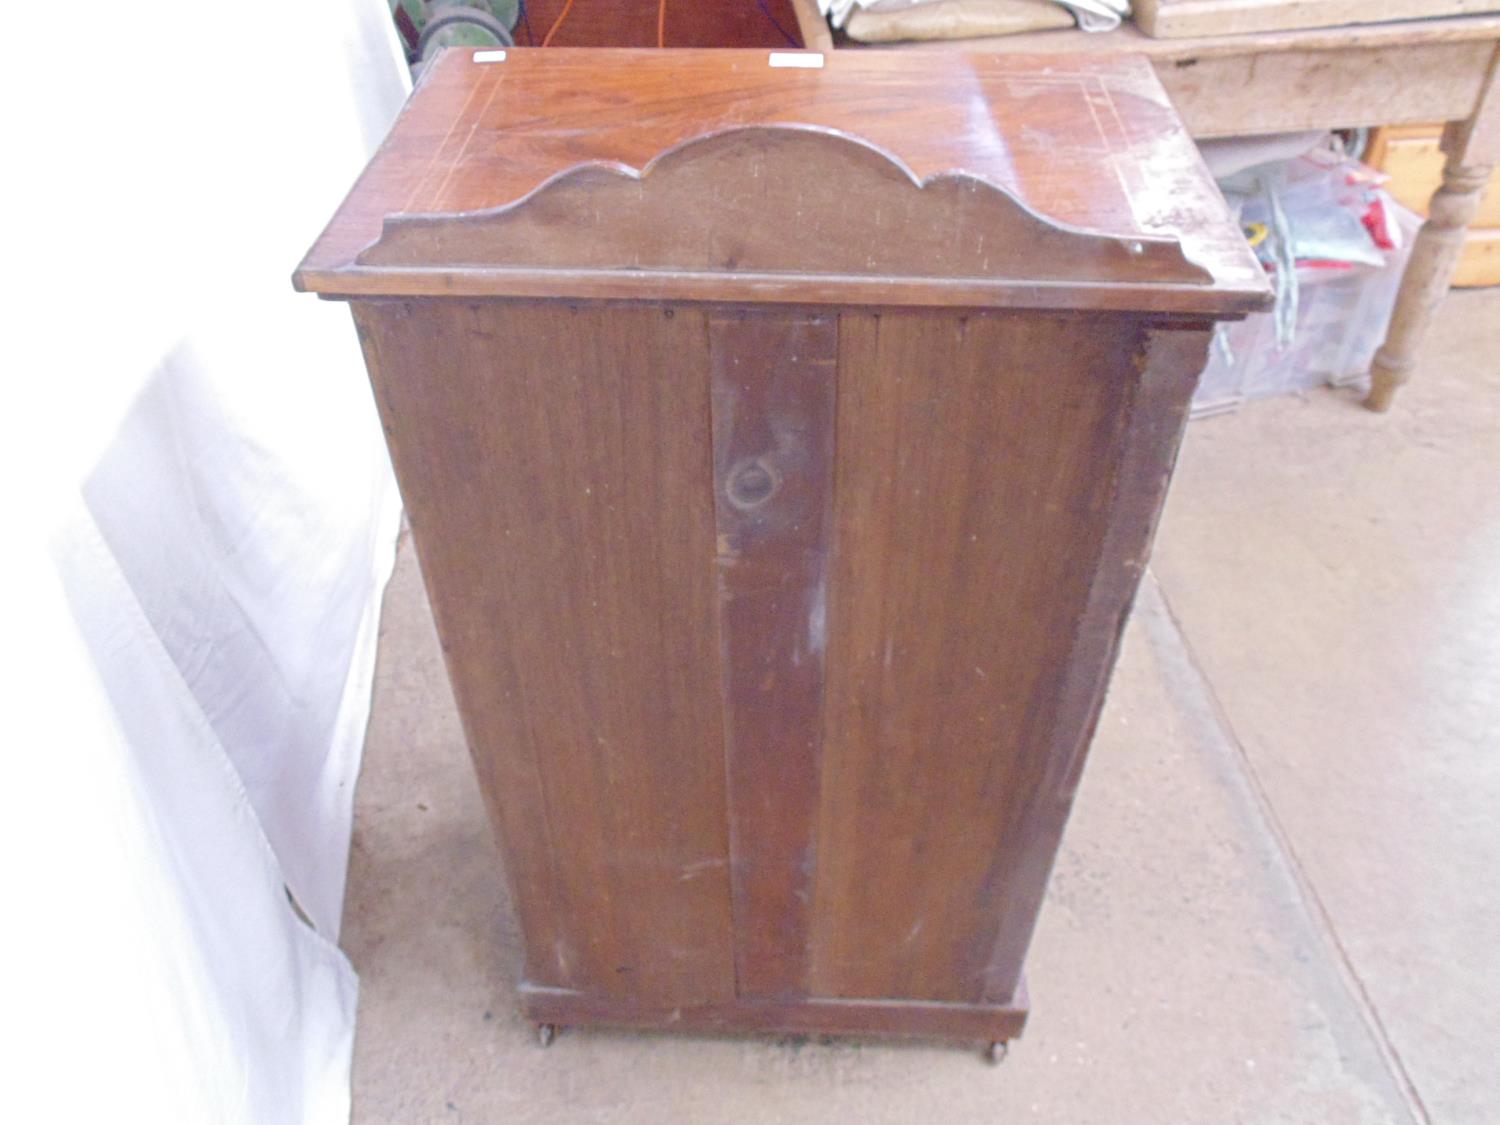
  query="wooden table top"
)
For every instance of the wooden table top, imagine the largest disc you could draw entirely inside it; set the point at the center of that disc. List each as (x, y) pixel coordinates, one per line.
(1087, 142)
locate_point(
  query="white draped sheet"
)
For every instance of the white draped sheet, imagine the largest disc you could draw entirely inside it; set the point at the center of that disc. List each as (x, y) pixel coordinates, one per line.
(203, 520)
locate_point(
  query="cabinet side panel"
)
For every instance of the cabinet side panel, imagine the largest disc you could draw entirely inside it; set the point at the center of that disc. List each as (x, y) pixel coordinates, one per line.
(773, 399)
(1168, 362)
(974, 484)
(556, 465)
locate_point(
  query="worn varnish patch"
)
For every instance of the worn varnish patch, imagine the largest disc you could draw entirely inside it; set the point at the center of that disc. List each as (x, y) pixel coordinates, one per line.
(773, 402)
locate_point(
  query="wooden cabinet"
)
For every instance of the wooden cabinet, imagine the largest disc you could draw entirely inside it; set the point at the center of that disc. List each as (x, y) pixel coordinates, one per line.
(782, 439)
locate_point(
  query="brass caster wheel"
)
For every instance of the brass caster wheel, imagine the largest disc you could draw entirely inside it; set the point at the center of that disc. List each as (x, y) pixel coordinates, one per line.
(995, 1053)
(545, 1033)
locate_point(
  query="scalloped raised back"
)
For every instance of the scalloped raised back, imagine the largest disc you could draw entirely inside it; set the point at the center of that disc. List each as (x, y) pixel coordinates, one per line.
(876, 179)
(776, 199)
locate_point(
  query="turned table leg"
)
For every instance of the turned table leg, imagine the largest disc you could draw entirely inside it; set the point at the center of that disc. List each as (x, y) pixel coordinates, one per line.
(1471, 149)
(1428, 274)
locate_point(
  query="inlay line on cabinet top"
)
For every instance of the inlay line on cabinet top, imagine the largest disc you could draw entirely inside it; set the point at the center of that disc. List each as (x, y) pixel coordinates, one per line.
(1064, 180)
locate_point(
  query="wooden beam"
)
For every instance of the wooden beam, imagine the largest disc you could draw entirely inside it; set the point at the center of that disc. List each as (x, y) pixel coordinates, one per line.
(816, 34)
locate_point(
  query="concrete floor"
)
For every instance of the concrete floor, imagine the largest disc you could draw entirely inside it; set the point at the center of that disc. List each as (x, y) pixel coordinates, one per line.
(1278, 898)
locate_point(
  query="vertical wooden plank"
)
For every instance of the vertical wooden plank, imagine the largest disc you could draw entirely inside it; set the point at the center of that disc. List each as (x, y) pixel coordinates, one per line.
(556, 465)
(773, 399)
(970, 509)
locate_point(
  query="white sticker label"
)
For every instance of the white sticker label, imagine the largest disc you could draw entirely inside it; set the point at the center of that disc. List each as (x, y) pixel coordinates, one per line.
(489, 56)
(799, 60)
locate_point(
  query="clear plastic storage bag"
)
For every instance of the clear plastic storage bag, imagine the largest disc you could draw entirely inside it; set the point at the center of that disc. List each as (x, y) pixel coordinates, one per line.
(1347, 242)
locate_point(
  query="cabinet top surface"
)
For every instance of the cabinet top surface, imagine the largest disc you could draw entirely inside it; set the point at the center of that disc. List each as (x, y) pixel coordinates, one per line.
(1083, 144)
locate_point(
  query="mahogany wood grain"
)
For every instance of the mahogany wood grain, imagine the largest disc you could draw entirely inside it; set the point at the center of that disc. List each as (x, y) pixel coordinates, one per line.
(569, 562)
(773, 399)
(479, 137)
(779, 554)
(882, 221)
(690, 23)
(972, 494)
(889, 1019)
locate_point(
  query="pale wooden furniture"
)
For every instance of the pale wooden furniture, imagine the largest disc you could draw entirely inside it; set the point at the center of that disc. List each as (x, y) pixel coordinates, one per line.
(955, 19)
(1406, 72)
(782, 448)
(1178, 19)
(1412, 156)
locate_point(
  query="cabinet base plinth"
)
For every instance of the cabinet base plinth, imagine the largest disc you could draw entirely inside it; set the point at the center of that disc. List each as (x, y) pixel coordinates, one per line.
(901, 1019)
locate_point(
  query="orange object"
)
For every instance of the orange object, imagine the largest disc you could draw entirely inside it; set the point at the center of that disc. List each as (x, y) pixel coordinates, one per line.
(557, 23)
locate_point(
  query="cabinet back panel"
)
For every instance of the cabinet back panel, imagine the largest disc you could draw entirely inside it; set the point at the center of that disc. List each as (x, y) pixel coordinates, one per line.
(556, 463)
(799, 593)
(972, 493)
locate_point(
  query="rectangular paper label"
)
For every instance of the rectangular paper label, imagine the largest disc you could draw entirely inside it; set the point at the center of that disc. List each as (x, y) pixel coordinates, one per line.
(801, 60)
